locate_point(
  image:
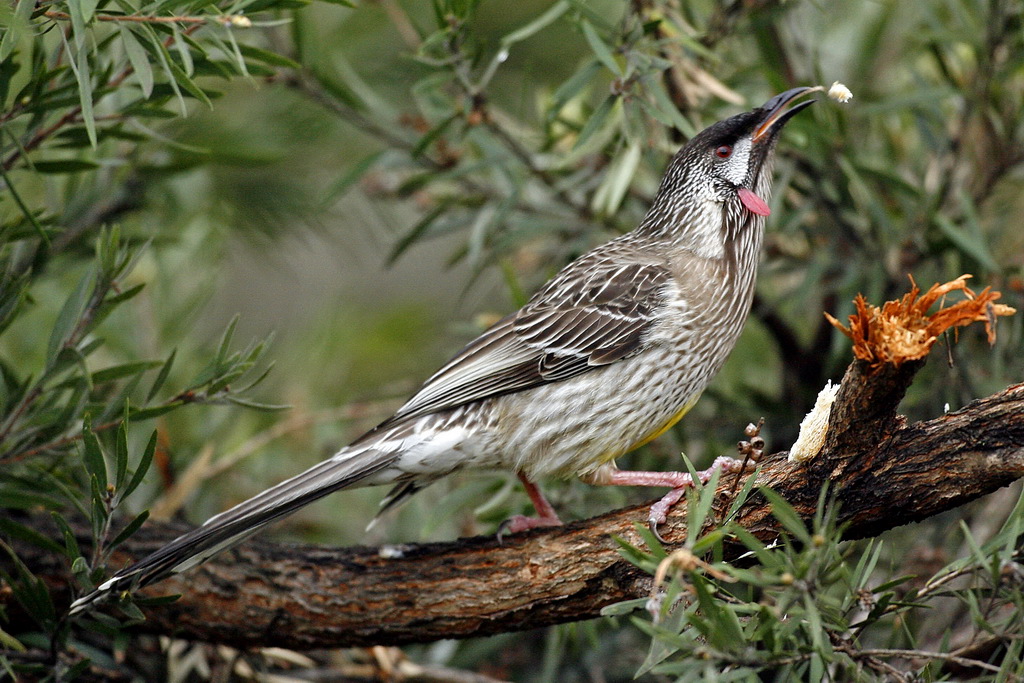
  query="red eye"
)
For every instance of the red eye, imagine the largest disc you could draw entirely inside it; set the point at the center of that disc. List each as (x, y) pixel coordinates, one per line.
(723, 151)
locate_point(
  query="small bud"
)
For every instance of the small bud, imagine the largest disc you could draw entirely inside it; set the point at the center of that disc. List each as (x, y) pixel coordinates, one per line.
(241, 21)
(786, 579)
(752, 430)
(818, 540)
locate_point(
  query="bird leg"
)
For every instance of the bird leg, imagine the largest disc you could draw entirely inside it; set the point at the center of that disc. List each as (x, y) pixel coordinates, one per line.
(546, 515)
(609, 475)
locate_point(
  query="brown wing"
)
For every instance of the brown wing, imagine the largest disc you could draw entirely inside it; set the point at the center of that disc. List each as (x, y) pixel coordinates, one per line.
(593, 313)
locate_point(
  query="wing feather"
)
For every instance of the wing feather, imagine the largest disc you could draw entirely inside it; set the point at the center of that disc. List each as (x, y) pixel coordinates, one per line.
(595, 312)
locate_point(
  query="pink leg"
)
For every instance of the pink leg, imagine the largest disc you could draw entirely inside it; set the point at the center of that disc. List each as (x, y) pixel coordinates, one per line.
(678, 481)
(546, 515)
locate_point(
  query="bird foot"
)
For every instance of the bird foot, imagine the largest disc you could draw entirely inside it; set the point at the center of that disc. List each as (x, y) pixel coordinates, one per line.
(518, 523)
(659, 511)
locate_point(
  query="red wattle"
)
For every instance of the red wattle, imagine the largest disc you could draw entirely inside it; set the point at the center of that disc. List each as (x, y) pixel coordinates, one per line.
(752, 202)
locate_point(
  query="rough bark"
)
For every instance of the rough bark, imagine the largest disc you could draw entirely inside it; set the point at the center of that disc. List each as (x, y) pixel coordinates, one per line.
(885, 474)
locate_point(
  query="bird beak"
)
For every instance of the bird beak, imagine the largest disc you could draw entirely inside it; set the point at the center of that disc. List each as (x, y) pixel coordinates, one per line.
(775, 113)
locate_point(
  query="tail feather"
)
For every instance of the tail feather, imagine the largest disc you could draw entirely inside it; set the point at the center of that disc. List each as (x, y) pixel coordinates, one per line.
(232, 526)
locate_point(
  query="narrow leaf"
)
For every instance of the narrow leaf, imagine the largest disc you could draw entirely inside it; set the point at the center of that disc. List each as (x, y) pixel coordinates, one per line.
(141, 468)
(596, 121)
(786, 515)
(92, 456)
(137, 57)
(601, 50)
(161, 377)
(68, 318)
(268, 57)
(29, 535)
(70, 542)
(79, 63)
(20, 26)
(118, 371)
(541, 22)
(121, 454)
(129, 529)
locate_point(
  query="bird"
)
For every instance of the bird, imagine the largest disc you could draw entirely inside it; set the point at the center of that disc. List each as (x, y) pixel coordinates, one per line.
(604, 358)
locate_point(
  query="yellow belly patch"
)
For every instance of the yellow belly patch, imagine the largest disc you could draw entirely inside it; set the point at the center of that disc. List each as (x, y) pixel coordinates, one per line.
(663, 428)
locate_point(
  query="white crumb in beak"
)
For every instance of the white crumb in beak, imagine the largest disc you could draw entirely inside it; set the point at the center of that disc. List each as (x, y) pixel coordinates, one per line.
(814, 426)
(840, 93)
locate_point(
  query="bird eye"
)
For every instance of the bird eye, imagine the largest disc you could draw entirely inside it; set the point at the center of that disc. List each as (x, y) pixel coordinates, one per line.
(723, 151)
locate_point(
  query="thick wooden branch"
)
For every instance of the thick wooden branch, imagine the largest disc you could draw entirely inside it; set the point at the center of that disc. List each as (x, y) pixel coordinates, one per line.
(885, 474)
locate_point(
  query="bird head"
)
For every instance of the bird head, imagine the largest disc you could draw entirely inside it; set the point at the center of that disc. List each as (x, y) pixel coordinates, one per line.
(721, 178)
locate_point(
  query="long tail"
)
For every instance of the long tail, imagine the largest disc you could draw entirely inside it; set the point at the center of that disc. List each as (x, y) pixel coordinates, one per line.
(347, 468)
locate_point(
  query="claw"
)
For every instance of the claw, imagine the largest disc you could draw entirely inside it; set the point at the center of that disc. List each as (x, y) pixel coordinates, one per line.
(517, 523)
(504, 529)
(652, 524)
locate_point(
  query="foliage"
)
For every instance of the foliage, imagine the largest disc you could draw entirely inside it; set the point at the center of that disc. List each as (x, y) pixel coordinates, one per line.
(817, 608)
(142, 142)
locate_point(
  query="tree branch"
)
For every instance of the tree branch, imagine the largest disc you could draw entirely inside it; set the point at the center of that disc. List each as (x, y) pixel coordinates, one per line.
(302, 596)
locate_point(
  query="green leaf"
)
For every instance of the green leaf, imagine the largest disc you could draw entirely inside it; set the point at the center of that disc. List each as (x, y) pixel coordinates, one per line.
(19, 26)
(20, 497)
(597, 120)
(68, 318)
(79, 22)
(625, 607)
(268, 57)
(541, 22)
(572, 87)
(129, 529)
(351, 177)
(246, 403)
(99, 514)
(121, 453)
(79, 63)
(601, 50)
(92, 456)
(124, 370)
(188, 66)
(968, 244)
(27, 213)
(86, 7)
(70, 542)
(29, 535)
(617, 180)
(786, 515)
(29, 590)
(9, 642)
(139, 59)
(416, 232)
(161, 377)
(139, 414)
(141, 469)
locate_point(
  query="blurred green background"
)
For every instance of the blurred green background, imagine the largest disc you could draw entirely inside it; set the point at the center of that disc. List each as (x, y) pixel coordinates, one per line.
(429, 165)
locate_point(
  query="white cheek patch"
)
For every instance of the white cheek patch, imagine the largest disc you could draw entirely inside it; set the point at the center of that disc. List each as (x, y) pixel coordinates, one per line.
(734, 169)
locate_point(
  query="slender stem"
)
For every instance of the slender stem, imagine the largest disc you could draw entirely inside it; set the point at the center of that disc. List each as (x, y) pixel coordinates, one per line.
(925, 654)
(134, 18)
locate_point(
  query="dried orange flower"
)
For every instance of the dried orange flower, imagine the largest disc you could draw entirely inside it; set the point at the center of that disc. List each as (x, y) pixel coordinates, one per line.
(902, 330)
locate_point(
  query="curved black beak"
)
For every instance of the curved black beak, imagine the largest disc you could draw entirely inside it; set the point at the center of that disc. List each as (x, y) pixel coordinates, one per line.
(775, 114)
